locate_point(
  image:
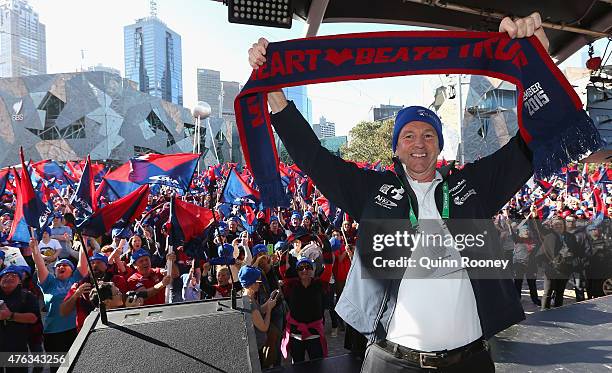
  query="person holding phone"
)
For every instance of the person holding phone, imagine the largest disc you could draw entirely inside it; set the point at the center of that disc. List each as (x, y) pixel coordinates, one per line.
(250, 279)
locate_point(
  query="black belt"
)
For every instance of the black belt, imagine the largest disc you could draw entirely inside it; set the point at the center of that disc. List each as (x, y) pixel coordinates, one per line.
(434, 360)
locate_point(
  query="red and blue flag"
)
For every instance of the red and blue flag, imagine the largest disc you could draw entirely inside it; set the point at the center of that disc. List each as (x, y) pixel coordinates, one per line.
(236, 189)
(118, 214)
(175, 170)
(117, 183)
(83, 198)
(187, 221)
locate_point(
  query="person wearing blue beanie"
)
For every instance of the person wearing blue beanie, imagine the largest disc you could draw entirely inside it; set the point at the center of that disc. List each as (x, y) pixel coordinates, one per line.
(417, 141)
(407, 327)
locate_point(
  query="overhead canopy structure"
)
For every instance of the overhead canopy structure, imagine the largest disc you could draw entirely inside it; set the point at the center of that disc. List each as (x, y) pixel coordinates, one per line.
(570, 24)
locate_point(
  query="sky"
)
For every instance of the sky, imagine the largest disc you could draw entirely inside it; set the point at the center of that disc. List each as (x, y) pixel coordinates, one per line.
(210, 41)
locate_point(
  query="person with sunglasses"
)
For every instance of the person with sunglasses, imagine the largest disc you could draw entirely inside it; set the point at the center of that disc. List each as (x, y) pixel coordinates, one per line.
(305, 296)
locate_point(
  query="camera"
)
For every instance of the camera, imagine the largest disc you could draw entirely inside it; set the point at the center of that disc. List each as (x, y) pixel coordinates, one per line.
(106, 292)
(133, 295)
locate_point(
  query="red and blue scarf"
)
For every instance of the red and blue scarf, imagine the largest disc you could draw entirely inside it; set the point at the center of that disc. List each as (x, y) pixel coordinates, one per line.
(550, 115)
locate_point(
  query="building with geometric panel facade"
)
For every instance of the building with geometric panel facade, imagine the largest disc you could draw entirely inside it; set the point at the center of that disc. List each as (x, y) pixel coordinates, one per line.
(68, 116)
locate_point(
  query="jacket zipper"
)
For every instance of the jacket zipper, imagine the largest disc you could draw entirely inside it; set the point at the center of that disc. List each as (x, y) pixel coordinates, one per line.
(379, 315)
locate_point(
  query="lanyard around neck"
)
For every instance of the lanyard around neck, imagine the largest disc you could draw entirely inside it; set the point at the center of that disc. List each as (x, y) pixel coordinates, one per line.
(445, 206)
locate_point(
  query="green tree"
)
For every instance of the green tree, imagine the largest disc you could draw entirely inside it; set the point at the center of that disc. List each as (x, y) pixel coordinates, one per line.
(370, 142)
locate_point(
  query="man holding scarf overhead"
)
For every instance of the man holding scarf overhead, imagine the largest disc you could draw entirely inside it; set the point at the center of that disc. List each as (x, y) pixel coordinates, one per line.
(414, 325)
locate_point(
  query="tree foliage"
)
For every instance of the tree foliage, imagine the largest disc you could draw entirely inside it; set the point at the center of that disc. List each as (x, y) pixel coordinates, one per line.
(370, 142)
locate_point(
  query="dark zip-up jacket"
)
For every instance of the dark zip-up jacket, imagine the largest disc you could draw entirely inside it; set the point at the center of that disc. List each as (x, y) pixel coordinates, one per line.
(477, 192)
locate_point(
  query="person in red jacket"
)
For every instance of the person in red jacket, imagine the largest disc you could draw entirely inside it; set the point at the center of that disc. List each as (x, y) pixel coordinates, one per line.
(146, 278)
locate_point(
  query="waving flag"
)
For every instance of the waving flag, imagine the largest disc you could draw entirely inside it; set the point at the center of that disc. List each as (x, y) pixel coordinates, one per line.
(29, 209)
(48, 169)
(118, 183)
(605, 175)
(83, 198)
(118, 214)
(175, 170)
(248, 219)
(20, 232)
(307, 189)
(33, 207)
(187, 221)
(236, 189)
(543, 184)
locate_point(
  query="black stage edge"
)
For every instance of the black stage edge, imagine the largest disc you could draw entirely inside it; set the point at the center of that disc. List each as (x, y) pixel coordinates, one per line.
(574, 338)
(347, 363)
(202, 336)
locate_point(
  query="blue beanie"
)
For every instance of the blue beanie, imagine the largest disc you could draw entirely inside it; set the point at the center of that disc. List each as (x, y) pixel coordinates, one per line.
(100, 257)
(248, 275)
(305, 260)
(416, 113)
(259, 249)
(64, 261)
(226, 250)
(11, 269)
(139, 254)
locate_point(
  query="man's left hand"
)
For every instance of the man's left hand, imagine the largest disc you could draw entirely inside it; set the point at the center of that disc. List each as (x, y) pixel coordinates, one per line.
(525, 27)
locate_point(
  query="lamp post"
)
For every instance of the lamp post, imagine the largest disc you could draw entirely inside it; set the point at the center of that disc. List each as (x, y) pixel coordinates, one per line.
(201, 111)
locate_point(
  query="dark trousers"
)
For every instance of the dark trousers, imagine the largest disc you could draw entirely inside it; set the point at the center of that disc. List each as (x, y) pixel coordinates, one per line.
(520, 271)
(594, 288)
(299, 348)
(379, 360)
(553, 289)
(59, 342)
(330, 304)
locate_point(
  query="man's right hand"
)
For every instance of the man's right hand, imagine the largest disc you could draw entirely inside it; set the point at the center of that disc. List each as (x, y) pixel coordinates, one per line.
(84, 288)
(257, 57)
(257, 53)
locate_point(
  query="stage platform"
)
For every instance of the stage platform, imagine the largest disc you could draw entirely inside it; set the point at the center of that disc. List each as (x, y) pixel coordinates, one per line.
(574, 338)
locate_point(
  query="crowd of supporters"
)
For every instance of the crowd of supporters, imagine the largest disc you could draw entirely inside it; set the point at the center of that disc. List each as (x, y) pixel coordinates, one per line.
(291, 263)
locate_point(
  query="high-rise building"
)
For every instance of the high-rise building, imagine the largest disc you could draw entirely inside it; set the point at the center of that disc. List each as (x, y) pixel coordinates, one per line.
(209, 90)
(153, 59)
(324, 129)
(230, 91)
(22, 40)
(386, 112)
(299, 96)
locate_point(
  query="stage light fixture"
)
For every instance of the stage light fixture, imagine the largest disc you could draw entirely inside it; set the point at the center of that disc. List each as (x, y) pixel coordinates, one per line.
(270, 13)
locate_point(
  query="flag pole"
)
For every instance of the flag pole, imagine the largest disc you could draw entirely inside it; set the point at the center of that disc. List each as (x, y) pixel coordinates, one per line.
(169, 250)
(101, 304)
(168, 268)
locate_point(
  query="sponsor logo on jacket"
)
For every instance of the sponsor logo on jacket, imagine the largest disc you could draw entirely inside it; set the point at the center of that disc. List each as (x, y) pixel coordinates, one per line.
(384, 202)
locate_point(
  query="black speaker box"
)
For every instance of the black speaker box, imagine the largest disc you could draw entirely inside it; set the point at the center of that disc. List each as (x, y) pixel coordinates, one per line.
(202, 336)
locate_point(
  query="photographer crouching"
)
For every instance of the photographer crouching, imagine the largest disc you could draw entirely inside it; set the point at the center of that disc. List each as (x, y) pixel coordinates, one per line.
(83, 296)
